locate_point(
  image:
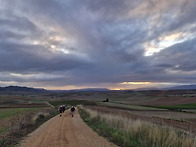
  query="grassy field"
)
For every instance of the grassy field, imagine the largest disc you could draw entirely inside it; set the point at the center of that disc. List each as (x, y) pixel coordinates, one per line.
(72, 102)
(177, 107)
(4, 113)
(20, 115)
(175, 115)
(118, 96)
(128, 106)
(7, 115)
(134, 133)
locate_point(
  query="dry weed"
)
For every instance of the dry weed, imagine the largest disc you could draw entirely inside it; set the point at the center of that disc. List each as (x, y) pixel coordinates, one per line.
(147, 133)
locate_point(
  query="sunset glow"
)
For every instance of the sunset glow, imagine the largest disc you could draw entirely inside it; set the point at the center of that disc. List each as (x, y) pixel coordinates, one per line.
(135, 83)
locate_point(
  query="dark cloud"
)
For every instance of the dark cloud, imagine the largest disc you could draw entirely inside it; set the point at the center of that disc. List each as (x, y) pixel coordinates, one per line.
(18, 23)
(96, 43)
(185, 15)
(180, 55)
(27, 58)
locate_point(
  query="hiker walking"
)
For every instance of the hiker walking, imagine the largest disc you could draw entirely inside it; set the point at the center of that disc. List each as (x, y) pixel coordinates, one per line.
(63, 108)
(60, 110)
(72, 110)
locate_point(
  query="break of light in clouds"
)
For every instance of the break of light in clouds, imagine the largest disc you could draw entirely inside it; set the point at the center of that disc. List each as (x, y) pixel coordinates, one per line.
(117, 44)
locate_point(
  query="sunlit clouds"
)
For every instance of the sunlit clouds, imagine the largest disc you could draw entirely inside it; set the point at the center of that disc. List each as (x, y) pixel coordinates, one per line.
(163, 42)
(112, 44)
(135, 83)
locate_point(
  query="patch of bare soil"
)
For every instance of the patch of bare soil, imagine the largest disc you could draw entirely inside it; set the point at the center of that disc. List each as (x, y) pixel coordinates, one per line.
(65, 131)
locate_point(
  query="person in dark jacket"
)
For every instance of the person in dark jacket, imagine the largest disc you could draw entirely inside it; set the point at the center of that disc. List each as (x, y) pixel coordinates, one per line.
(60, 110)
(72, 110)
(63, 108)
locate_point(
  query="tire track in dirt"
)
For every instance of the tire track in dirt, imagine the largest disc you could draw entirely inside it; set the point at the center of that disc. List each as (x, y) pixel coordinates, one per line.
(65, 131)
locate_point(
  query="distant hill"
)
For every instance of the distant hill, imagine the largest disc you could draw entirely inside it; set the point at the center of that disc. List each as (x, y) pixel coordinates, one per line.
(82, 90)
(182, 87)
(93, 89)
(21, 89)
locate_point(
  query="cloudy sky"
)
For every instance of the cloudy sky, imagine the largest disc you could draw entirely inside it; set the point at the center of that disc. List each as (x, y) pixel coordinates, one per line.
(117, 44)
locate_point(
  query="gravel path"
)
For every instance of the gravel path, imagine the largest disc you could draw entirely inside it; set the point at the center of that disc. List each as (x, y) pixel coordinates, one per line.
(65, 131)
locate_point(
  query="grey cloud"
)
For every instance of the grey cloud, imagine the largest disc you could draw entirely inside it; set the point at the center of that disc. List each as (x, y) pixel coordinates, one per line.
(104, 40)
(181, 55)
(27, 58)
(18, 23)
(5, 34)
(186, 15)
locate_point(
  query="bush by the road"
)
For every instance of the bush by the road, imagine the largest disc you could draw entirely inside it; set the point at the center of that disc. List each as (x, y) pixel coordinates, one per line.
(25, 123)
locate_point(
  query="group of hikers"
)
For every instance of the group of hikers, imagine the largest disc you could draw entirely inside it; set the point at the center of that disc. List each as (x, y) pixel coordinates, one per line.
(62, 110)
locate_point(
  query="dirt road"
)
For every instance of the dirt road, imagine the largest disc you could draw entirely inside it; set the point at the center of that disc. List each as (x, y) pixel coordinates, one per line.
(65, 131)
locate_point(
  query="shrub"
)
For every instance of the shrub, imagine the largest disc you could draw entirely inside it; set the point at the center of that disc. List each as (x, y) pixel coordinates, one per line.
(24, 124)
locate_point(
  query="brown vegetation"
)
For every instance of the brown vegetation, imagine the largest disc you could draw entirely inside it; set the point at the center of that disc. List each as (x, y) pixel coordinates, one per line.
(188, 126)
(23, 124)
(145, 133)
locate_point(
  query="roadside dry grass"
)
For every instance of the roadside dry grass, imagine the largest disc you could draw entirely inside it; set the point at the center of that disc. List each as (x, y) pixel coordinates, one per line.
(23, 124)
(132, 133)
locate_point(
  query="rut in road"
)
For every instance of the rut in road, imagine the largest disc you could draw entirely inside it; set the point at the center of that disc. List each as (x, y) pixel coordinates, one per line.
(65, 131)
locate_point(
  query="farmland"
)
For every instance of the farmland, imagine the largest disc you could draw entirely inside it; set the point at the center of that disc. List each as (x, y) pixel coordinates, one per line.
(125, 131)
(166, 108)
(175, 109)
(182, 106)
(128, 106)
(19, 115)
(69, 103)
(6, 115)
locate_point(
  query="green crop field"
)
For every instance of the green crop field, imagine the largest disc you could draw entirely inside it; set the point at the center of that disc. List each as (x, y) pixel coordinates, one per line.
(4, 113)
(134, 107)
(183, 106)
